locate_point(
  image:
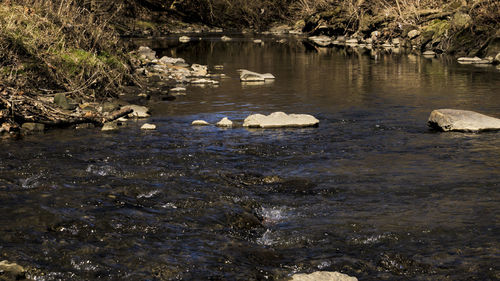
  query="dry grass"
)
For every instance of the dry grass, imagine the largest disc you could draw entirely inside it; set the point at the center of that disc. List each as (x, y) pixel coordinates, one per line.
(58, 46)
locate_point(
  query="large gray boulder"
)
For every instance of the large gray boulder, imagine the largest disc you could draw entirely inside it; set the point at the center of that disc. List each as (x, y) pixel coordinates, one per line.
(280, 120)
(322, 276)
(250, 76)
(462, 120)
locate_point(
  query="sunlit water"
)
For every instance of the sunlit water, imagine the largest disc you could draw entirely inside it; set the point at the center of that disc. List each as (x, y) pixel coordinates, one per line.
(371, 192)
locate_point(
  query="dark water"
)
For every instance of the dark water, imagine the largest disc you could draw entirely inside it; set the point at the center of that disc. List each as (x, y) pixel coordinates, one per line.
(372, 192)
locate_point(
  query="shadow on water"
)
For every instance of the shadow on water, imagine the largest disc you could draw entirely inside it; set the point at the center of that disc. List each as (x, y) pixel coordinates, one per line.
(372, 192)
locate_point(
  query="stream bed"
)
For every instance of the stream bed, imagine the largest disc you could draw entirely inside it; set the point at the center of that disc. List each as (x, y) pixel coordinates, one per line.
(372, 192)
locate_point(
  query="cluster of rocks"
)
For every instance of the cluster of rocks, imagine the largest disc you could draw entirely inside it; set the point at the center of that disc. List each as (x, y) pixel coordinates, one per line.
(273, 120)
(411, 41)
(175, 70)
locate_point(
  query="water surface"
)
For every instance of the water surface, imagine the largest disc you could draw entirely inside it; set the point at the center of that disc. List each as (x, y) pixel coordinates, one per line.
(371, 192)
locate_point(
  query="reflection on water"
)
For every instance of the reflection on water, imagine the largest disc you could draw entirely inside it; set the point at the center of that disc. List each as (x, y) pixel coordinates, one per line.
(371, 192)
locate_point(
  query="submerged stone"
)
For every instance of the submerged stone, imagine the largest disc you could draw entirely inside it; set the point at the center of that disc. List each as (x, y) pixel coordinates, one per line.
(462, 120)
(280, 120)
(322, 276)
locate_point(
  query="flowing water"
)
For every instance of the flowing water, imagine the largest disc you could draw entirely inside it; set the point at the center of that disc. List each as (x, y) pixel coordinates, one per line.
(371, 192)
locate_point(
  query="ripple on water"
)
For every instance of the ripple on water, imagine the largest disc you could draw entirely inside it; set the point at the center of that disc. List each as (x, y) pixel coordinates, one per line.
(104, 170)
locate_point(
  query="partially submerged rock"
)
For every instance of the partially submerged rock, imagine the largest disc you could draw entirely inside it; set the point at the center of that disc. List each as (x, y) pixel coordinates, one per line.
(148, 126)
(184, 39)
(224, 122)
(200, 123)
(138, 111)
(250, 76)
(429, 54)
(280, 120)
(462, 120)
(474, 60)
(322, 276)
(204, 81)
(11, 271)
(33, 127)
(110, 126)
(322, 41)
(225, 38)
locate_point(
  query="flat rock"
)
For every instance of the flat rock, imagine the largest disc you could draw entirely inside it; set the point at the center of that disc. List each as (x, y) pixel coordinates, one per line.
(462, 120)
(171, 61)
(184, 39)
(138, 111)
(474, 60)
(109, 126)
(204, 81)
(322, 41)
(224, 122)
(322, 276)
(257, 41)
(200, 123)
(429, 54)
(280, 120)
(226, 38)
(148, 126)
(250, 76)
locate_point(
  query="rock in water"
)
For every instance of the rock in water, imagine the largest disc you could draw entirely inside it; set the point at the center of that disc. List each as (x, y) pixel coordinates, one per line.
(200, 123)
(462, 120)
(323, 276)
(474, 60)
(225, 38)
(322, 41)
(110, 126)
(138, 111)
(148, 126)
(224, 122)
(280, 120)
(11, 271)
(250, 76)
(184, 39)
(34, 127)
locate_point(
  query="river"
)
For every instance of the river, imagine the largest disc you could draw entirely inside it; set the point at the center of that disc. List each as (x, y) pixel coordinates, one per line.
(372, 192)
